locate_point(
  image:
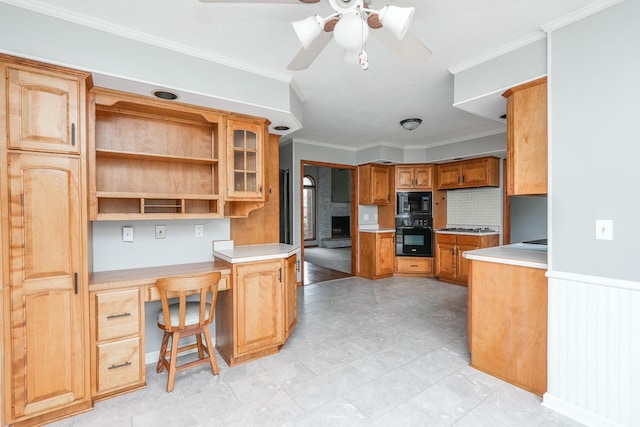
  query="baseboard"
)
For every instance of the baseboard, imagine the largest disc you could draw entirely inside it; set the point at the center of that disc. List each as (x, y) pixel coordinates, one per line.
(576, 413)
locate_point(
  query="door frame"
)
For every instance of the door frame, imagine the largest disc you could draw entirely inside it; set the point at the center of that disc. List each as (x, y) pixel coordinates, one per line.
(354, 212)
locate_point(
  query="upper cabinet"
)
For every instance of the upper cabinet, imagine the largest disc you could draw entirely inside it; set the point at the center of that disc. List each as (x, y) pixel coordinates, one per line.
(245, 160)
(45, 109)
(156, 159)
(414, 177)
(482, 172)
(152, 159)
(375, 184)
(527, 138)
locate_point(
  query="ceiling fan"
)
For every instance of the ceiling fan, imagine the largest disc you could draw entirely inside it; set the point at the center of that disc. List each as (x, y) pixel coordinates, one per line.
(349, 26)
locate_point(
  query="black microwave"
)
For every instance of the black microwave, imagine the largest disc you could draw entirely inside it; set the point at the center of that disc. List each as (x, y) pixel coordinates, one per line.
(413, 203)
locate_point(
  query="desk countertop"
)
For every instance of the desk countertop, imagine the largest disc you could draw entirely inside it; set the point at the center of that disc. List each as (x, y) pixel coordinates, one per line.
(249, 253)
(149, 275)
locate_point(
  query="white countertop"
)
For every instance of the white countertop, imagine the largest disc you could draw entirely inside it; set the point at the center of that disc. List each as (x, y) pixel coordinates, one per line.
(249, 253)
(377, 230)
(521, 254)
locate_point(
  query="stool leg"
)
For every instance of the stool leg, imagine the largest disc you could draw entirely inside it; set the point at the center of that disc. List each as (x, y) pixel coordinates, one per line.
(199, 343)
(211, 351)
(163, 352)
(175, 338)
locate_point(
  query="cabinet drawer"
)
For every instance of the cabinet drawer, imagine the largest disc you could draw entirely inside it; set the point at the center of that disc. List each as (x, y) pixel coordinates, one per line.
(445, 238)
(468, 240)
(118, 314)
(414, 265)
(118, 364)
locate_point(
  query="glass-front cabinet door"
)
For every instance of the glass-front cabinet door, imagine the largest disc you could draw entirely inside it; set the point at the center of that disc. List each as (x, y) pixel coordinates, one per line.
(245, 161)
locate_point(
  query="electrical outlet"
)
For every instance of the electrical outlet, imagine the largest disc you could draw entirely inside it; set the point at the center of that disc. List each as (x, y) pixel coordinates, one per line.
(161, 231)
(127, 234)
(604, 229)
(199, 230)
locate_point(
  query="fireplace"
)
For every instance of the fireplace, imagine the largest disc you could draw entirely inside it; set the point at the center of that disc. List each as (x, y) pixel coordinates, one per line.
(340, 226)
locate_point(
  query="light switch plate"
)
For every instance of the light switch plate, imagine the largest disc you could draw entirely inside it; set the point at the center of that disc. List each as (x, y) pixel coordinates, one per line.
(604, 229)
(127, 234)
(161, 231)
(199, 230)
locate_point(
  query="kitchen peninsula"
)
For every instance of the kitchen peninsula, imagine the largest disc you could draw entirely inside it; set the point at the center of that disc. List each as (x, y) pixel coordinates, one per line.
(508, 313)
(257, 317)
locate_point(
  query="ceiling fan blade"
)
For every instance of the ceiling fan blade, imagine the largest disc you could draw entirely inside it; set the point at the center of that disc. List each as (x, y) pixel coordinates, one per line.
(410, 49)
(258, 1)
(305, 57)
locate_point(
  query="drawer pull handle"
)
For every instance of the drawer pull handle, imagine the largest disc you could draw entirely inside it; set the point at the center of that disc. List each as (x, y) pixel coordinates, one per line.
(414, 265)
(121, 365)
(115, 316)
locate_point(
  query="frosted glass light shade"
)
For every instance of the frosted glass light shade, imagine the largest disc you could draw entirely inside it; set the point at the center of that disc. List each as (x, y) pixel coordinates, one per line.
(397, 19)
(308, 29)
(351, 32)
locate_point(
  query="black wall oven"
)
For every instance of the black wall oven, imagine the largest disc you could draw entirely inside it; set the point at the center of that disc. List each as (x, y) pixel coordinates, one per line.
(414, 237)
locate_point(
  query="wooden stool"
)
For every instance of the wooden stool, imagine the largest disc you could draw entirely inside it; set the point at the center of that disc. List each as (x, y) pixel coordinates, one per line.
(184, 318)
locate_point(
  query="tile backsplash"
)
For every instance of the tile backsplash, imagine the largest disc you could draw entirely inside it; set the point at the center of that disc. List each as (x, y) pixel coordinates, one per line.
(478, 206)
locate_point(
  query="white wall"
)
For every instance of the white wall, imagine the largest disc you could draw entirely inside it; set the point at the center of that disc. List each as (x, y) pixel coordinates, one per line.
(594, 285)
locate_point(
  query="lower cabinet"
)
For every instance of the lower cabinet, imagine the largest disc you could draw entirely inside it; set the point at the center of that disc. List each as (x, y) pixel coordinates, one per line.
(117, 350)
(291, 295)
(414, 266)
(253, 320)
(450, 266)
(508, 323)
(377, 254)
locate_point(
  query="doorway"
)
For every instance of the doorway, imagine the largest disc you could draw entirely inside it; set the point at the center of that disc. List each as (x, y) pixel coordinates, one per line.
(329, 221)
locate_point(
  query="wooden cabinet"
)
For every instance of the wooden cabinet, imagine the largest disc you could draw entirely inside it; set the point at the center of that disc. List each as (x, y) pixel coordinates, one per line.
(377, 254)
(253, 320)
(245, 160)
(450, 265)
(44, 233)
(483, 172)
(508, 323)
(526, 169)
(375, 184)
(45, 110)
(415, 177)
(414, 266)
(117, 341)
(151, 159)
(291, 295)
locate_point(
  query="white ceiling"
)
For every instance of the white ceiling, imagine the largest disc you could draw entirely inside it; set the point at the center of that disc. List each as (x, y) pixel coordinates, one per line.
(342, 104)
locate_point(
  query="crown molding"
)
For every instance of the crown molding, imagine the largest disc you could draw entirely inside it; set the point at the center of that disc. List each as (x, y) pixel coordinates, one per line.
(579, 14)
(509, 47)
(118, 30)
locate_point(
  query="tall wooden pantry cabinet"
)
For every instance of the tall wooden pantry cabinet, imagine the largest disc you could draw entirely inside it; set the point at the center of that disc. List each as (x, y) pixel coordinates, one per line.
(45, 370)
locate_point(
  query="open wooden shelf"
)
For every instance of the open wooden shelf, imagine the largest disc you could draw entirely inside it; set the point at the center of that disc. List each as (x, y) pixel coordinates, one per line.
(154, 159)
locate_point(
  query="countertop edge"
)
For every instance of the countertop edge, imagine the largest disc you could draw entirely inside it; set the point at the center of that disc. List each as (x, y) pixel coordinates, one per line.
(509, 261)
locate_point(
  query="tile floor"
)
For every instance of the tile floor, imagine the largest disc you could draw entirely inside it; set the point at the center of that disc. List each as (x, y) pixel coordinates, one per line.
(390, 352)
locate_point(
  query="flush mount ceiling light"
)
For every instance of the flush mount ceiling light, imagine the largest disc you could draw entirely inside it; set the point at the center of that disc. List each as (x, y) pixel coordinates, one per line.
(410, 124)
(165, 94)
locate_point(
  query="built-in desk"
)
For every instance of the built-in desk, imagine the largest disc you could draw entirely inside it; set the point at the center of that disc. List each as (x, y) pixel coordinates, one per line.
(117, 321)
(145, 278)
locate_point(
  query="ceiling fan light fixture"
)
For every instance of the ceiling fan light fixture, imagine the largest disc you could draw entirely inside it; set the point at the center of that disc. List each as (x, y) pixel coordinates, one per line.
(308, 29)
(410, 124)
(397, 19)
(350, 32)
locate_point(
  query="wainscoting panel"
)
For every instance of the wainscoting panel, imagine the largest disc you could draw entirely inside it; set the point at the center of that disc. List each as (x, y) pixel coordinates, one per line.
(594, 349)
